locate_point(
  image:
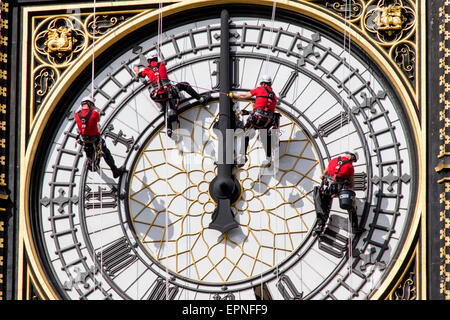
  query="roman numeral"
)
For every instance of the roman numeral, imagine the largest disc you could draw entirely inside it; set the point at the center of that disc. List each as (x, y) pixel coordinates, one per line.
(332, 125)
(160, 290)
(116, 257)
(288, 84)
(288, 289)
(103, 198)
(332, 241)
(243, 34)
(228, 296)
(262, 292)
(360, 180)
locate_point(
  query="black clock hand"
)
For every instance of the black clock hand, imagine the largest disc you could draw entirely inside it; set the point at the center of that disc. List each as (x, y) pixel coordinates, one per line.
(224, 188)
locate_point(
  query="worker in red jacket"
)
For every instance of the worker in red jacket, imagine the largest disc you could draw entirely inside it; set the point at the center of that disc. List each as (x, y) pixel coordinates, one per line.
(87, 119)
(263, 114)
(338, 175)
(161, 89)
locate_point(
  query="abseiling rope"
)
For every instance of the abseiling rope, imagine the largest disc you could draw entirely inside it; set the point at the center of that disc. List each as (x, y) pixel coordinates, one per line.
(347, 50)
(266, 71)
(166, 233)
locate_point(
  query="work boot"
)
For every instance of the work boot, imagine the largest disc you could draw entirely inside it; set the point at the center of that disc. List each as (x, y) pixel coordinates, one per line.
(318, 229)
(117, 172)
(110, 162)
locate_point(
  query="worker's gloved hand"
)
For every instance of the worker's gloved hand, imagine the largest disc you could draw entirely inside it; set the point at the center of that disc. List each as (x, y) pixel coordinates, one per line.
(78, 139)
(230, 95)
(245, 112)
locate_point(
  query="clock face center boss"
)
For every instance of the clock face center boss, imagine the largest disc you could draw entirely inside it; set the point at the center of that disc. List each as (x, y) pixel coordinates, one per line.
(171, 203)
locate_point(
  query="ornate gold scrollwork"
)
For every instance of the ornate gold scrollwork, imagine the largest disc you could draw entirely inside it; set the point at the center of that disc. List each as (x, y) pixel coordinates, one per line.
(406, 290)
(44, 78)
(352, 9)
(59, 41)
(101, 24)
(404, 55)
(389, 20)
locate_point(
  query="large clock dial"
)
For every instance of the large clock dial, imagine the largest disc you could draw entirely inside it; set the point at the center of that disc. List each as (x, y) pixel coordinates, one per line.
(146, 235)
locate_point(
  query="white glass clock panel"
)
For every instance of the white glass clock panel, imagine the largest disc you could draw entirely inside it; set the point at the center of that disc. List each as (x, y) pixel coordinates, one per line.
(78, 231)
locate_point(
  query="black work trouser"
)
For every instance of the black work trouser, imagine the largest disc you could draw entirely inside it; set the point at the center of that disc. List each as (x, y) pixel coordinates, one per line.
(322, 203)
(89, 149)
(186, 87)
(266, 144)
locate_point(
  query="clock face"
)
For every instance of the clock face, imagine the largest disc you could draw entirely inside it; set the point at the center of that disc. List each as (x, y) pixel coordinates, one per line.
(146, 235)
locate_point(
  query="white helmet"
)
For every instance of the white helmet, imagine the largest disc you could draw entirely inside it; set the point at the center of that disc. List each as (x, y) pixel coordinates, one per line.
(353, 153)
(152, 55)
(87, 99)
(265, 78)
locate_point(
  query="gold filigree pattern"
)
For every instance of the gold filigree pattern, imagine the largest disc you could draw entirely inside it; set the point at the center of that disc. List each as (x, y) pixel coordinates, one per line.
(404, 55)
(59, 41)
(351, 9)
(45, 78)
(389, 21)
(406, 288)
(274, 212)
(390, 24)
(102, 23)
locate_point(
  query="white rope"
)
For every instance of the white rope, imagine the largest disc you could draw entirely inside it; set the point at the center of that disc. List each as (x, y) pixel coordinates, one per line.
(93, 50)
(274, 7)
(158, 50)
(94, 147)
(347, 15)
(100, 198)
(266, 62)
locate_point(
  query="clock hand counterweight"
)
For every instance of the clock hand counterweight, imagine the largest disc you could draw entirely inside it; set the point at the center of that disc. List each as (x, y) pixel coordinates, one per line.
(224, 188)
